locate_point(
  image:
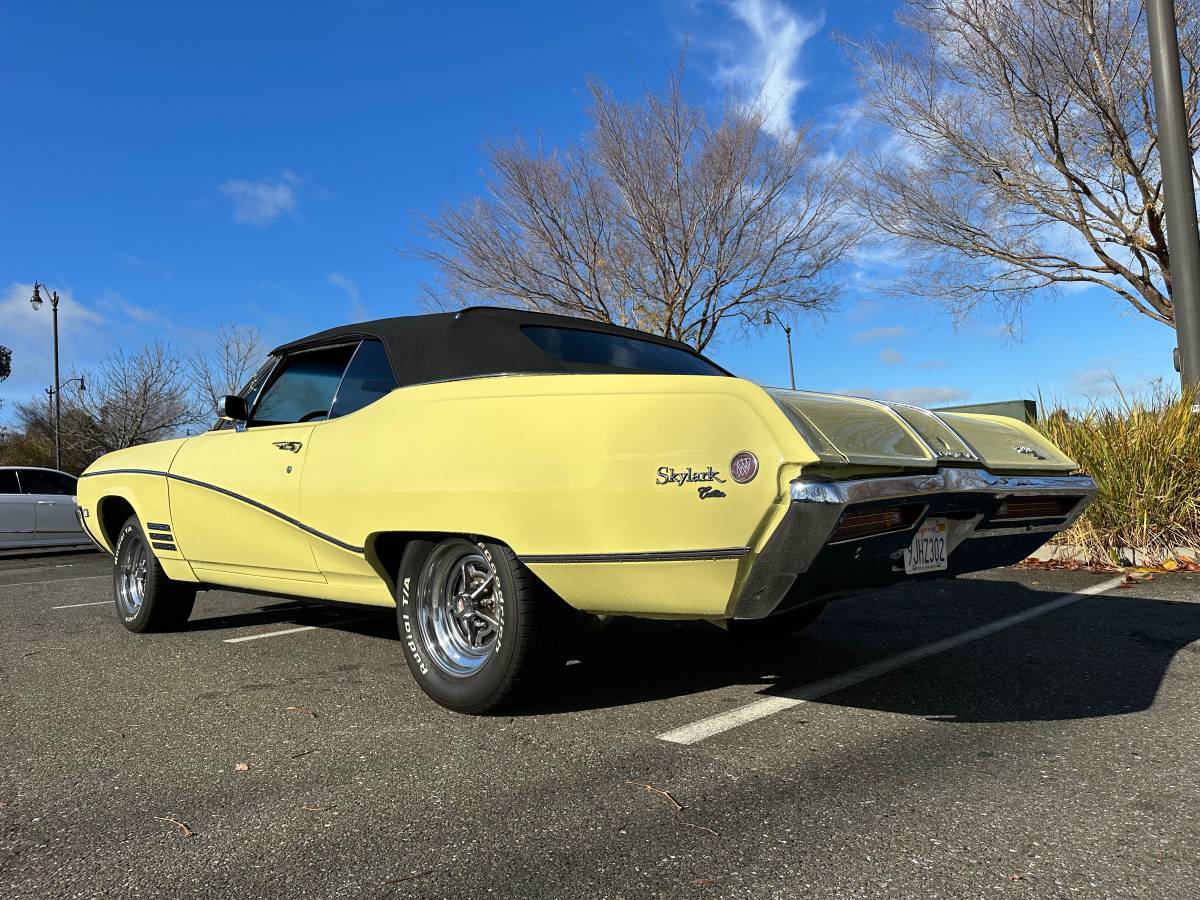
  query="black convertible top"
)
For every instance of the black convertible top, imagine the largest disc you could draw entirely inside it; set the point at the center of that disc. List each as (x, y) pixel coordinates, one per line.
(479, 340)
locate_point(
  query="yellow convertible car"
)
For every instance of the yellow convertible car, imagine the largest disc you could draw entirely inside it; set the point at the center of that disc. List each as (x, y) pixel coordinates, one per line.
(487, 471)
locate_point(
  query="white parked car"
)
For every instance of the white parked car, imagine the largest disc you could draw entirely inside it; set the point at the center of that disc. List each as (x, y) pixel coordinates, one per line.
(37, 509)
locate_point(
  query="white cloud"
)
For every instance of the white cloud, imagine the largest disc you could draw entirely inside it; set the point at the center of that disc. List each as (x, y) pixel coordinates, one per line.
(764, 70)
(1098, 381)
(357, 309)
(113, 302)
(29, 333)
(882, 333)
(262, 202)
(890, 356)
(863, 311)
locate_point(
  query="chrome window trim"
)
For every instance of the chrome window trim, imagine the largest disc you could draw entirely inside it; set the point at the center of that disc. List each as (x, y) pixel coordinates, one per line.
(334, 399)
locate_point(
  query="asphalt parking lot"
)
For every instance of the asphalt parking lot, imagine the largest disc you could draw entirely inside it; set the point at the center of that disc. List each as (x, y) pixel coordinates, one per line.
(972, 738)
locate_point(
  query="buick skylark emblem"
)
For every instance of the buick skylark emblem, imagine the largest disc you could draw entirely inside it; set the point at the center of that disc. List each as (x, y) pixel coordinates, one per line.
(1029, 451)
(743, 467)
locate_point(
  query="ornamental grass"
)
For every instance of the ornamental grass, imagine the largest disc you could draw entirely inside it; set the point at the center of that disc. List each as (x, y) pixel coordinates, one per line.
(1144, 453)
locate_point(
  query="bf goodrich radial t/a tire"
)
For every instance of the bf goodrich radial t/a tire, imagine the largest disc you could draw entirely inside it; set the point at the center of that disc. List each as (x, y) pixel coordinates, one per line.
(146, 599)
(479, 631)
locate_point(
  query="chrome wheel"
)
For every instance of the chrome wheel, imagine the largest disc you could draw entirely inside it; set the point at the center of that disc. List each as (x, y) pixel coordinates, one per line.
(460, 607)
(132, 566)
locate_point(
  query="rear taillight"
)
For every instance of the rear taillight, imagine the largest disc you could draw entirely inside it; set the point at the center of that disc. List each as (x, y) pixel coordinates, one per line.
(1035, 507)
(871, 522)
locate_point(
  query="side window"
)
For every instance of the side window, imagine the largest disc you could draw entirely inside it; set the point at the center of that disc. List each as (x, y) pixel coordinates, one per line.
(8, 482)
(39, 481)
(368, 377)
(303, 387)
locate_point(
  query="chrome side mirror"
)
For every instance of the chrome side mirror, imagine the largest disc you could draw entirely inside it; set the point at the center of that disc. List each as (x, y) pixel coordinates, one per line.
(233, 407)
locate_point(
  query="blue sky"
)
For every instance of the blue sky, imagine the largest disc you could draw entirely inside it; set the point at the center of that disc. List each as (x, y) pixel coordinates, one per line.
(173, 166)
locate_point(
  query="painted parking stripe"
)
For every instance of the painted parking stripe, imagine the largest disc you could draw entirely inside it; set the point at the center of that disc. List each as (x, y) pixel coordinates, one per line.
(700, 730)
(4, 584)
(77, 605)
(283, 631)
(29, 569)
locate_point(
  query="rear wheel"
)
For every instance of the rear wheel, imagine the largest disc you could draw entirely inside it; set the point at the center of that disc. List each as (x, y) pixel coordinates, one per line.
(146, 599)
(479, 631)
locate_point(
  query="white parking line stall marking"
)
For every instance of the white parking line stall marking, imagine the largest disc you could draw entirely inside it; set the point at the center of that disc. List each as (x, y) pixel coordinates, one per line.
(29, 569)
(77, 605)
(700, 730)
(51, 581)
(281, 632)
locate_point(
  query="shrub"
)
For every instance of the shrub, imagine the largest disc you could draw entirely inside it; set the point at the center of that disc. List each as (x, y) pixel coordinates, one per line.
(1144, 453)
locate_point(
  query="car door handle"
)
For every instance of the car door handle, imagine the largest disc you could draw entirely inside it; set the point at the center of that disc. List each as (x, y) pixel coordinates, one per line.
(291, 446)
(45, 503)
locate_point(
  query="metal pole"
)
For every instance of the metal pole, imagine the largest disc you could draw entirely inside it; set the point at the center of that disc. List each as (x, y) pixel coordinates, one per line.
(57, 388)
(1175, 151)
(787, 330)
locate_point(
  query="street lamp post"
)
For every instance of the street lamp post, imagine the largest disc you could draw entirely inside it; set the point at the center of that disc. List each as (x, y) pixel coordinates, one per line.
(787, 330)
(1175, 148)
(51, 393)
(36, 302)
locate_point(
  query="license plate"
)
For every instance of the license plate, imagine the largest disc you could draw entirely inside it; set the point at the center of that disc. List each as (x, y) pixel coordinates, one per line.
(927, 552)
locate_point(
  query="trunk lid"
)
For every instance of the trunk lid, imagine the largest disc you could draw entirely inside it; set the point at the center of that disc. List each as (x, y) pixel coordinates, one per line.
(851, 431)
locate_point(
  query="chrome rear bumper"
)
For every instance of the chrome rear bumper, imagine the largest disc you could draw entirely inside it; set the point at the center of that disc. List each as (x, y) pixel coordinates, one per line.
(817, 505)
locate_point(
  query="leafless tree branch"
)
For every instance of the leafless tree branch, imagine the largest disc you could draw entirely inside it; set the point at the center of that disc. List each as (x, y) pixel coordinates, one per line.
(658, 220)
(1023, 149)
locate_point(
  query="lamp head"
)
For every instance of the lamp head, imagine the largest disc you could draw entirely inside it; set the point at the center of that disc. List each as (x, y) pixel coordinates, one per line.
(36, 300)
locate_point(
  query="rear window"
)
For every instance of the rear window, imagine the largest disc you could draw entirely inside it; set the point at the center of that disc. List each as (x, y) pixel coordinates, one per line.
(596, 351)
(8, 482)
(42, 481)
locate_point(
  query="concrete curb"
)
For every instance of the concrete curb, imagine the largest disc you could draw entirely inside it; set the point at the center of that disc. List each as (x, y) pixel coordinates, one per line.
(1128, 556)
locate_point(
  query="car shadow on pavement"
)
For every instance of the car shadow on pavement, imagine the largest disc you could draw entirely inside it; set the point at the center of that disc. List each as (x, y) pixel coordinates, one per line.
(1104, 656)
(366, 620)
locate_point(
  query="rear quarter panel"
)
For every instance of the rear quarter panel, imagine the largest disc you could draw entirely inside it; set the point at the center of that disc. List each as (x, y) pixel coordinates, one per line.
(562, 465)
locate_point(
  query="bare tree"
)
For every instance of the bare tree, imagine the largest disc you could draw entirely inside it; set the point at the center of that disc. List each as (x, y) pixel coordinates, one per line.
(131, 399)
(31, 441)
(238, 355)
(657, 220)
(1023, 150)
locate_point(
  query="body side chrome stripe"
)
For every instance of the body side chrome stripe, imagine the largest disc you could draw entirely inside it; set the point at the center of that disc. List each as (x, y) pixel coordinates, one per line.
(648, 556)
(307, 529)
(639, 556)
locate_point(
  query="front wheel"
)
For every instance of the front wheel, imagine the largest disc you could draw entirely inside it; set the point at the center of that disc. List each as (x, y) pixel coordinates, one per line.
(479, 630)
(146, 599)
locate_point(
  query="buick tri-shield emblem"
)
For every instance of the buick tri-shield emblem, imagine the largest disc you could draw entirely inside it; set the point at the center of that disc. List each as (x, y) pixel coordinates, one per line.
(743, 467)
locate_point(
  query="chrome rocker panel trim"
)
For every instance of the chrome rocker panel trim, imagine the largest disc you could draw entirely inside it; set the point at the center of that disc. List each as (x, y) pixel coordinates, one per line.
(817, 504)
